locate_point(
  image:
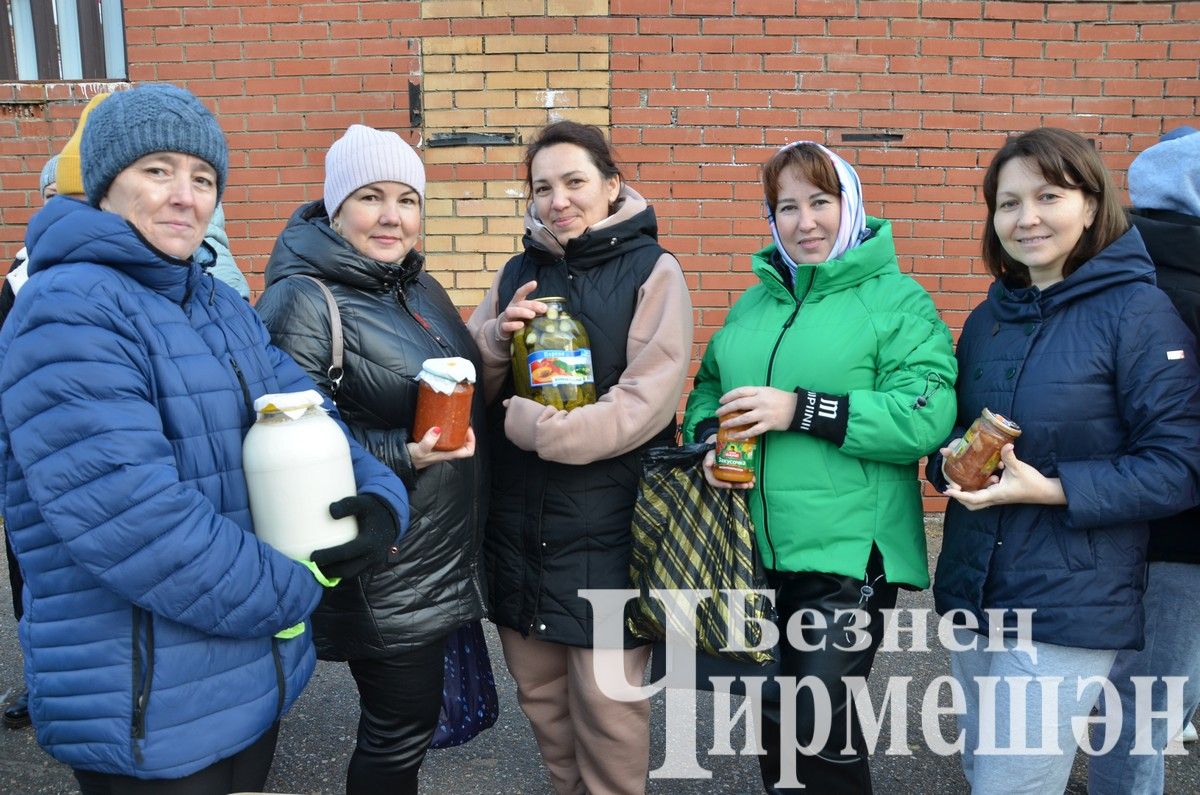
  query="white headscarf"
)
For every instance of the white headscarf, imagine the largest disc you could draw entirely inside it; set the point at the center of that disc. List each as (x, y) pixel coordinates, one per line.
(853, 227)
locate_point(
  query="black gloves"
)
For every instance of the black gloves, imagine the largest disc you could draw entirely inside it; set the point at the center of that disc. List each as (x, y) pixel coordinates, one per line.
(377, 529)
(822, 415)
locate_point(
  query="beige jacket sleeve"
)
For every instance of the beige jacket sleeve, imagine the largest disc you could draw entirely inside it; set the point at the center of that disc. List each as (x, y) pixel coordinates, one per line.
(641, 403)
(495, 351)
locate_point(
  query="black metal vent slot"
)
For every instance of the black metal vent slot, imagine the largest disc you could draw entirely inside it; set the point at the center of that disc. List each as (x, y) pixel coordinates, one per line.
(871, 137)
(415, 109)
(473, 139)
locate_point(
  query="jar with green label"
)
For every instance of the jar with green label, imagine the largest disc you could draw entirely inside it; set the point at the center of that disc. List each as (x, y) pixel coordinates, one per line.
(552, 359)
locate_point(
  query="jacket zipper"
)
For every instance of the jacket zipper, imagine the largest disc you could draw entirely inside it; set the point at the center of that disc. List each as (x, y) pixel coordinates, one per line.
(425, 325)
(762, 469)
(474, 568)
(237, 370)
(143, 675)
(762, 486)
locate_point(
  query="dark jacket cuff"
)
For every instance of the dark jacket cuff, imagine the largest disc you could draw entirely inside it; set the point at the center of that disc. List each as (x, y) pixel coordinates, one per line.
(933, 472)
(403, 465)
(822, 415)
(705, 428)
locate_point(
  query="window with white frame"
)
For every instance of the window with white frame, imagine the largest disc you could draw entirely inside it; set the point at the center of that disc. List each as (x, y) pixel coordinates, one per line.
(62, 40)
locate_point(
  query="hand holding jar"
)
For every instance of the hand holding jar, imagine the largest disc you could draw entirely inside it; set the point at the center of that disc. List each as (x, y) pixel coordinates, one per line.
(732, 459)
(442, 427)
(745, 414)
(1018, 484)
(970, 461)
(552, 358)
(520, 310)
(987, 446)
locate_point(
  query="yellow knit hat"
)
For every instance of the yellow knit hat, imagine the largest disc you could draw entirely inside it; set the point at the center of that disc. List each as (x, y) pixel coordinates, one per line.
(70, 169)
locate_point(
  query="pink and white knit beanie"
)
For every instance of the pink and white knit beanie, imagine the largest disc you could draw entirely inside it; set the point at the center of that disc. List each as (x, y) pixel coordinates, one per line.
(365, 155)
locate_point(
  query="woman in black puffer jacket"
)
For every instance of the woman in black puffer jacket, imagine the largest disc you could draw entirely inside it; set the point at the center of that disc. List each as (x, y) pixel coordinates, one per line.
(390, 624)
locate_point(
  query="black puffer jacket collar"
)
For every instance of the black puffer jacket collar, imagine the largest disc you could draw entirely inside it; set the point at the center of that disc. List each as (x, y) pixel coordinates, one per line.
(314, 249)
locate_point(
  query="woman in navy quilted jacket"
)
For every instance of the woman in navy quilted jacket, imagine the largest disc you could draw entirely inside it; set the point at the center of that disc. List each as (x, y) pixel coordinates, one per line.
(1077, 345)
(163, 642)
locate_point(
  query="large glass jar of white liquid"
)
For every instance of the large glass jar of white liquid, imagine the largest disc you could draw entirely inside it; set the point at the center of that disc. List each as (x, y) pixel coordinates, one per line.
(297, 462)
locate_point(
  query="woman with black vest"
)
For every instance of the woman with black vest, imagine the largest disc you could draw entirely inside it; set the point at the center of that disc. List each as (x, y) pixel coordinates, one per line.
(564, 482)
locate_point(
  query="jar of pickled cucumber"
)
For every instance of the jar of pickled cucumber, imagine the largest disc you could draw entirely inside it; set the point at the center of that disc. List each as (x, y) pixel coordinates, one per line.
(552, 359)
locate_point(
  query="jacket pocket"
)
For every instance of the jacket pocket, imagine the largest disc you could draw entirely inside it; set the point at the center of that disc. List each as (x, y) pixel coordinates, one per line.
(847, 474)
(1075, 546)
(280, 678)
(142, 666)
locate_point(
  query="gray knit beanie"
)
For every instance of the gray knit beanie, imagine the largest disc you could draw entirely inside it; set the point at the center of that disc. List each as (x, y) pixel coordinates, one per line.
(365, 155)
(49, 174)
(153, 117)
(1167, 175)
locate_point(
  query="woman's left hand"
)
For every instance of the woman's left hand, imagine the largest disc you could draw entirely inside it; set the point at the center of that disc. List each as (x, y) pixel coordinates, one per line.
(1019, 483)
(768, 409)
(422, 453)
(710, 461)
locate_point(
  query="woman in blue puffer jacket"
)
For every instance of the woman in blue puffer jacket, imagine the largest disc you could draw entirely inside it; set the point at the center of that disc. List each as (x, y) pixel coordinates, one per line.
(160, 636)
(1077, 345)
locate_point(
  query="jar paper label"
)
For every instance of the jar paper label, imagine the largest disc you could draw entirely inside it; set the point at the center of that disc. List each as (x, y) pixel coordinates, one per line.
(560, 368)
(736, 454)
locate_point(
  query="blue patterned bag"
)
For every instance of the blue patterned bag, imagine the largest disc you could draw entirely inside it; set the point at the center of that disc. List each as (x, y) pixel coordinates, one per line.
(469, 702)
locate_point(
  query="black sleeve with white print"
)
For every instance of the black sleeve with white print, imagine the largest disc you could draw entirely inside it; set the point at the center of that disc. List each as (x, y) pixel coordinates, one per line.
(821, 415)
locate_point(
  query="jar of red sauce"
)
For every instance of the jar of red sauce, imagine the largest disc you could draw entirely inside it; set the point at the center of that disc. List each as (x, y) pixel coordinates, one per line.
(977, 454)
(734, 457)
(444, 391)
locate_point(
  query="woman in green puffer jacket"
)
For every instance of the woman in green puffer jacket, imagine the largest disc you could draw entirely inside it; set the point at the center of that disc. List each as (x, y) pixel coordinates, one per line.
(846, 374)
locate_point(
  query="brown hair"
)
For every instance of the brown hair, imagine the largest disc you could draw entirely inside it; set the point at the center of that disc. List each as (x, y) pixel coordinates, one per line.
(1067, 160)
(812, 164)
(586, 136)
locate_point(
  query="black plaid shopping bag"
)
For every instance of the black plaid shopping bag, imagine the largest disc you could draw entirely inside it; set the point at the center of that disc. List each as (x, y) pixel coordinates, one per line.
(689, 535)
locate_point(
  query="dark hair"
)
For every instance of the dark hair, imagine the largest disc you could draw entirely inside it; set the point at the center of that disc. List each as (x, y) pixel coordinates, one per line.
(587, 137)
(812, 164)
(1067, 160)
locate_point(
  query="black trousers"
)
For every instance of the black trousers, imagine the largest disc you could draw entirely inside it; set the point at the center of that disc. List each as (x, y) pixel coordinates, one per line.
(400, 697)
(245, 771)
(827, 771)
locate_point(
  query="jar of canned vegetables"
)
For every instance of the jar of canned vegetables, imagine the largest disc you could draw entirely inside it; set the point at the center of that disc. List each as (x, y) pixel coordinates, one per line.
(972, 461)
(552, 359)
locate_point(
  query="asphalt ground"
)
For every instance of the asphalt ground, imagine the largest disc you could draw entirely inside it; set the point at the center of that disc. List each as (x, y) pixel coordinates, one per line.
(318, 735)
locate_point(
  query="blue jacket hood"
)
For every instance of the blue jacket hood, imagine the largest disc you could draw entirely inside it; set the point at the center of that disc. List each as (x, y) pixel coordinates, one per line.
(68, 231)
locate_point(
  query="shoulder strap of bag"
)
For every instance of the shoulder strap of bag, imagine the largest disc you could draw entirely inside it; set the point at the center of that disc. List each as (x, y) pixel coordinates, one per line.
(335, 370)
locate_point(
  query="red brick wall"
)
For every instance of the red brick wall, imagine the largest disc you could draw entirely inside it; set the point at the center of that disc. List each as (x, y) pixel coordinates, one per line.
(701, 97)
(284, 79)
(701, 91)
